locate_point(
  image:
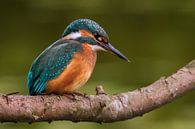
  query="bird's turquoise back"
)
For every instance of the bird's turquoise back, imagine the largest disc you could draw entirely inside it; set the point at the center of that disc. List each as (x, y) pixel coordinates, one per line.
(50, 64)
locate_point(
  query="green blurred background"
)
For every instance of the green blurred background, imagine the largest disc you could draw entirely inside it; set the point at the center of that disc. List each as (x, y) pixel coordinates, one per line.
(157, 35)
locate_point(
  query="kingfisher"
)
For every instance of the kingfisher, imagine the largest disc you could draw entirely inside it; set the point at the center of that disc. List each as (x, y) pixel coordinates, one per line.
(68, 63)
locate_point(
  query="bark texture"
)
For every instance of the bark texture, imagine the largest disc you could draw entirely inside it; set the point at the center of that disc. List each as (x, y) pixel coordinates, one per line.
(100, 107)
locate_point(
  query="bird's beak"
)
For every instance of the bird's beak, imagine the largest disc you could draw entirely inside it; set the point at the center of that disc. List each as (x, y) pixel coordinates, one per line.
(108, 47)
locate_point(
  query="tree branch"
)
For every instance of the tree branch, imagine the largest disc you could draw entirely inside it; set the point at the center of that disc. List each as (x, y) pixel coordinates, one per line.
(100, 107)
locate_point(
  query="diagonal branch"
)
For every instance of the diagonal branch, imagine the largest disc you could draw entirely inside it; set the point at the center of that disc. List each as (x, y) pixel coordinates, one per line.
(100, 107)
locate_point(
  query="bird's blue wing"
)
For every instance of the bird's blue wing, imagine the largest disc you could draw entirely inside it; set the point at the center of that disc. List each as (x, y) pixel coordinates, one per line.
(50, 63)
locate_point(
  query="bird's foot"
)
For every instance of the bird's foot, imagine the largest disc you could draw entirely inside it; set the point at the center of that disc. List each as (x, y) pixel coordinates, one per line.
(100, 91)
(81, 94)
(75, 95)
(72, 96)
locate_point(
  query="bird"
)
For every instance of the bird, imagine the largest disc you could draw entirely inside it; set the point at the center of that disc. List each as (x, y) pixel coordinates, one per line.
(68, 63)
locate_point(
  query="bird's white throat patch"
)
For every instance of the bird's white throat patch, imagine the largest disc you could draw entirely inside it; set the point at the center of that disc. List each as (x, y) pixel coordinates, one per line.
(73, 35)
(96, 48)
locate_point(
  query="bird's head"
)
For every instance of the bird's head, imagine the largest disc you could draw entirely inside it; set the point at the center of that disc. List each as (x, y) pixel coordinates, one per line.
(88, 31)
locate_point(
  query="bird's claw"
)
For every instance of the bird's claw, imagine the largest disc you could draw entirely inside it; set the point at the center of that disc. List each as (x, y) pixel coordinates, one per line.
(75, 95)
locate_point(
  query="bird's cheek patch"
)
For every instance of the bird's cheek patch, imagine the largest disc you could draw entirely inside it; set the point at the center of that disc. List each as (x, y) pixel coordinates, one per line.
(85, 33)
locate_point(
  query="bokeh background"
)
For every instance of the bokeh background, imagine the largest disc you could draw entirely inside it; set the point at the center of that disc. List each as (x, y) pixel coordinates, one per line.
(157, 35)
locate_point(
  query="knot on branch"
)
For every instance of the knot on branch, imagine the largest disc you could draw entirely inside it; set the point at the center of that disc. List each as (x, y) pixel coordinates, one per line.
(99, 90)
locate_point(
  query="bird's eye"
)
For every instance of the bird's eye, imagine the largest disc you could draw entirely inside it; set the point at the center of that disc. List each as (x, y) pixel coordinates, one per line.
(101, 38)
(96, 35)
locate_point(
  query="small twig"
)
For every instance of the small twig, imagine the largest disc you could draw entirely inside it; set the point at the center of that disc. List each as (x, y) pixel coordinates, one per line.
(12, 93)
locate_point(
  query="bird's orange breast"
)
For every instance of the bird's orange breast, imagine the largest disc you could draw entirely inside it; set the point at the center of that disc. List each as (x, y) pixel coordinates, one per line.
(75, 74)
